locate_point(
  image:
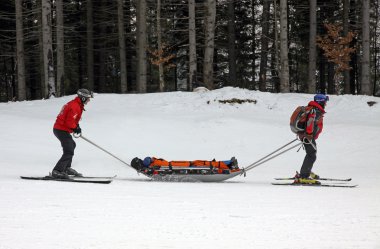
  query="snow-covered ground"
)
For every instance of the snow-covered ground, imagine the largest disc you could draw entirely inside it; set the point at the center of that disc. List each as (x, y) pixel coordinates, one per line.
(243, 212)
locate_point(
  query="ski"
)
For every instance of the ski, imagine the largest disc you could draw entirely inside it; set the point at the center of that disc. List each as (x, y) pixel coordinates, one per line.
(314, 185)
(88, 177)
(101, 180)
(93, 177)
(320, 179)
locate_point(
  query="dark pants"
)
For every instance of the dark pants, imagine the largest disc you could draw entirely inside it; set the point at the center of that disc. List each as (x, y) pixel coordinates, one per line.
(308, 162)
(68, 146)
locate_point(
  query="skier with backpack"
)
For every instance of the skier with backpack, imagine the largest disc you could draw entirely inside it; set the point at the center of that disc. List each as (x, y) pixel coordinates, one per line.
(307, 123)
(67, 122)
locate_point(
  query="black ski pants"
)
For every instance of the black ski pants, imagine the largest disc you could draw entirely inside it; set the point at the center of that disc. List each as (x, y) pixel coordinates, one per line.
(68, 146)
(308, 162)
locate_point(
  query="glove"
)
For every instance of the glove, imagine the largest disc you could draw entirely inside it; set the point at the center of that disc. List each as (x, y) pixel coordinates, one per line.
(77, 130)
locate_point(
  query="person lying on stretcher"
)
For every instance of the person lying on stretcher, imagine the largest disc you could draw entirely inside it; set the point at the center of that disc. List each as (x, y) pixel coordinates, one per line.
(227, 164)
(159, 164)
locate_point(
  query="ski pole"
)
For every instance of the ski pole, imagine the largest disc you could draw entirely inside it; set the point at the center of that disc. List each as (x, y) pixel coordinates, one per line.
(257, 163)
(97, 146)
(272, 157)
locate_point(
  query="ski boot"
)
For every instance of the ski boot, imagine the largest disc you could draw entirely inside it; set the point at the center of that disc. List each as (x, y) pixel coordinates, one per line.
(72, 172)
(305, 180)
(59, 174)
(314, 176)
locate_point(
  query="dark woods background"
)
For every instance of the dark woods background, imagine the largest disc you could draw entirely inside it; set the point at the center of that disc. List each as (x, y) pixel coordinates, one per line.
(109, 52)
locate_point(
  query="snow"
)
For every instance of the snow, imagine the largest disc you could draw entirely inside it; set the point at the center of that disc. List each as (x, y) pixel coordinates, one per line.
(243, 212)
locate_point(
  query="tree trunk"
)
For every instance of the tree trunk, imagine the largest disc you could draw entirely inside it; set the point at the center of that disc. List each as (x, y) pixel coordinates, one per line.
(60, 49)
(354, 62)
(160, 48)
(192, 46)
(141, 40)
(375, 74)
(275, 64)
(231, 43)
(21, 87)
(331, 79)
(48, 62)
(102, 46)
(39, 86)
(312, 47)
(264, 46)
(346, 19)
(122, 53)
(284, 73)
(253, 47)
(90, 46)
(274, 71)
(208, 77)
(365, 79)
(322, 73)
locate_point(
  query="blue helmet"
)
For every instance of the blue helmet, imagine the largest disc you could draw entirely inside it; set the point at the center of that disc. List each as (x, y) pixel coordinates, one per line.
(321, 98)
(147, 161)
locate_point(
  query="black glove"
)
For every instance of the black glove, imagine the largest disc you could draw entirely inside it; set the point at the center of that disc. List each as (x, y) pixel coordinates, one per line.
(77, 130)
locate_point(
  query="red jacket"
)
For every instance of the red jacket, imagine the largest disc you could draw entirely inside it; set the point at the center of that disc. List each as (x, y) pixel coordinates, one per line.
(314, 122)
(69, 117)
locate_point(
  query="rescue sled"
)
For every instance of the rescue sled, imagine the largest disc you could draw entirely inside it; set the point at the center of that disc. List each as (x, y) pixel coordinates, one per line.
(159, 169)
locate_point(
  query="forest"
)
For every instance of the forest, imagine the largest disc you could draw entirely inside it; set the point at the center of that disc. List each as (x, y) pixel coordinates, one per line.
(50, 48)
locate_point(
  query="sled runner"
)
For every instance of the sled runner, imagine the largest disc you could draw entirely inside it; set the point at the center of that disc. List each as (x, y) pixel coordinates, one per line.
(190, 171)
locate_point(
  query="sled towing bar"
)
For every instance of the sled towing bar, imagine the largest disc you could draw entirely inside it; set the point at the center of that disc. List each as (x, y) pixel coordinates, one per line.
(97, 146)
(270, 157)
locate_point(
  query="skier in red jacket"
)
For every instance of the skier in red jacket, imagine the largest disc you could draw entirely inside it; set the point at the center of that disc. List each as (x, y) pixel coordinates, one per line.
(314, 126)
(67, 122)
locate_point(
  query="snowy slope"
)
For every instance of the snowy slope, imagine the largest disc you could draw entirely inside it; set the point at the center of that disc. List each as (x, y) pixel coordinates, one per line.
(244, 212)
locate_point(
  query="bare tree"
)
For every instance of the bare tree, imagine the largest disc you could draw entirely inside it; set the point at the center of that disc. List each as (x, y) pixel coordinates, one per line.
(160, 48)
(264, 45)
(141, 39)
(312, 47)
(21, 87)
(192, 46)
(101, 40)
(254, 44)
(90, 46)
(284, 58)
(60, 49)
(208, 77)
(47, 51)
(346, 73)
(365, 79)
(231, 43)
(122, 54)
